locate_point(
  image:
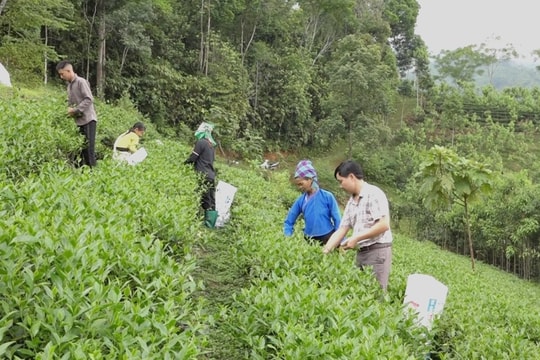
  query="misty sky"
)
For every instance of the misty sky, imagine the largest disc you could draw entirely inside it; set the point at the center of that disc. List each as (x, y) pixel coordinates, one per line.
(451, 24)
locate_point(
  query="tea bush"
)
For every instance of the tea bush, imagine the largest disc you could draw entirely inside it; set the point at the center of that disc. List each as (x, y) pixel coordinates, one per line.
(93, 263)
(300, 304)
(108, 264)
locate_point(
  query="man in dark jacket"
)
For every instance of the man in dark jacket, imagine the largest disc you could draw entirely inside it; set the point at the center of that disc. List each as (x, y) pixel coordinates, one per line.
(202, 157)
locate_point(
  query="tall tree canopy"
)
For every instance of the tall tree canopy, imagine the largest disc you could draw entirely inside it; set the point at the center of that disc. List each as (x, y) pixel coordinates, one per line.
(263, 69)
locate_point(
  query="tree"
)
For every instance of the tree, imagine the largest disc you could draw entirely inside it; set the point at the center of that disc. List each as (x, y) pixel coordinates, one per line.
(363, 79)
(262, 64)
(24, 33)
(494, 57)
(508, 223)
(324, 22)
(280, 95)
(447, 178)
(461, 65)
(401, 15)
(423, 79)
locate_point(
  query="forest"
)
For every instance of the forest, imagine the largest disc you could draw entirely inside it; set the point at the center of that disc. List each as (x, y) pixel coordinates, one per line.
(268, 73)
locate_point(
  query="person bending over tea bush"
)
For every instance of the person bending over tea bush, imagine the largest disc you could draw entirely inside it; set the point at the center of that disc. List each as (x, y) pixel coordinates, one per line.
(127, 143)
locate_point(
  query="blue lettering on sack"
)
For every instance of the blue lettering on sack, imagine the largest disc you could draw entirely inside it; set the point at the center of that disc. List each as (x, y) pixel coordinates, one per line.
(431, 304)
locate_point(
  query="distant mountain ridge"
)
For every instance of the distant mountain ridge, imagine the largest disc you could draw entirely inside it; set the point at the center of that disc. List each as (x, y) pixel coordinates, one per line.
(512, 74)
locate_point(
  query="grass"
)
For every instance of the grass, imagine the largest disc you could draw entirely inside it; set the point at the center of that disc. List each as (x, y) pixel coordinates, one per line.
(222, 276)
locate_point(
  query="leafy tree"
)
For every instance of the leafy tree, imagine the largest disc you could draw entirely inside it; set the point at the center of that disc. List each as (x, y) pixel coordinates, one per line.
(447, 178)
(423, 78)
(242, 30)
(127, 19)
(494, 57)
(227, 91)
(280, 95)
(324, 22)
(536, 54)
(508, 223)
(401, 15)
(259, 68)
(362, 82)
(128, 26)
(461, 65)
(24, 34)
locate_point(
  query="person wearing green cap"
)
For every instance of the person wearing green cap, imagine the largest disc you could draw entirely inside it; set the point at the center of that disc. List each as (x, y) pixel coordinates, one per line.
(202, 158)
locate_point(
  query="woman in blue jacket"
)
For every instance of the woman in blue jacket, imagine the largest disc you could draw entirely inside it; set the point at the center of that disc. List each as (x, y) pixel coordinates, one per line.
(318, 206)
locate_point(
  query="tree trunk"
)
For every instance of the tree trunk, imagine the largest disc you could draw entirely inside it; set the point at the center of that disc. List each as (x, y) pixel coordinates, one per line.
(45, 57)
(207, 47)
(90, 30)
(527, 254)
(100, 66)
(2, 6)
(243, 50)
(469, 236)
(124, 57)
(349, 126)
(256, 95)
(205, 39)
(201, 45)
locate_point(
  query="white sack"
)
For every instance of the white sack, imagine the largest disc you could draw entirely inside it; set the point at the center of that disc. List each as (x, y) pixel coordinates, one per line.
(224, 197)
(4, 76)
(426, 297)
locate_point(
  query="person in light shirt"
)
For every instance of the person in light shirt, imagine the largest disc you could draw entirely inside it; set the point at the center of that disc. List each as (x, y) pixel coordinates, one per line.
(127, 143)
(367, 214)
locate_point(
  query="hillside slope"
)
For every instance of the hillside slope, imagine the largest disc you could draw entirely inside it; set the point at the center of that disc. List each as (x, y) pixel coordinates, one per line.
(115, 263)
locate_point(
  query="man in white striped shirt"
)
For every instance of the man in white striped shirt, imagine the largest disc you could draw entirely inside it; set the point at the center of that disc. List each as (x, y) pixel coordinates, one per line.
(367, 214)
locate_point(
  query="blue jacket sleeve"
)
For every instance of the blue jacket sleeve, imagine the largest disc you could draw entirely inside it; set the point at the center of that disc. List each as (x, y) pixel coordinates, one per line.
(334, 211)
(290, 220)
